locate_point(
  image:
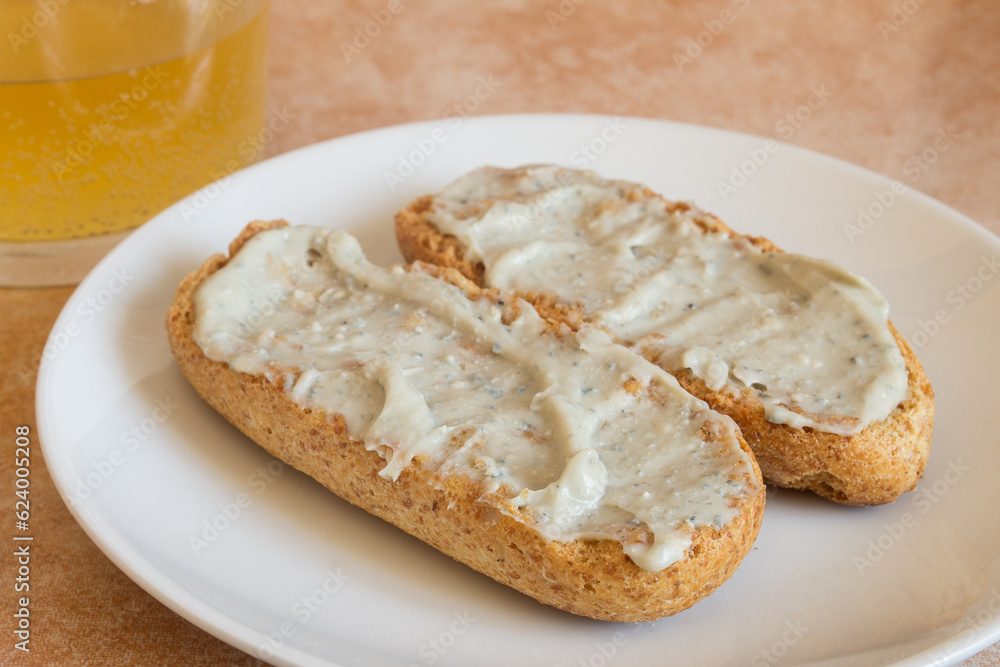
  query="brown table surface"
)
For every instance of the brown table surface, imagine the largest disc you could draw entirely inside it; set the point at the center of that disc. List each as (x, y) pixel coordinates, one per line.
(895, 72)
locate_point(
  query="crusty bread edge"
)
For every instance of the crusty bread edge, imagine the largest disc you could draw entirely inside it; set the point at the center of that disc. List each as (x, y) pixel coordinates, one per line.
(591, 578)
(872, 467)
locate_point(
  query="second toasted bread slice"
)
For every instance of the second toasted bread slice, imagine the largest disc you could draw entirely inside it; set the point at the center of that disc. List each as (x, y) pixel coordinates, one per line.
(799, 352)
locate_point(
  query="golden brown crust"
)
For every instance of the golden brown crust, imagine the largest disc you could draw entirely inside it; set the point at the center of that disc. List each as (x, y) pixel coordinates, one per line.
(591, 578)
(872, 467)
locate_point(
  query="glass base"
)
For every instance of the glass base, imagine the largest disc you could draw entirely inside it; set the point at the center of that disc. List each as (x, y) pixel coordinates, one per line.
(52, 263)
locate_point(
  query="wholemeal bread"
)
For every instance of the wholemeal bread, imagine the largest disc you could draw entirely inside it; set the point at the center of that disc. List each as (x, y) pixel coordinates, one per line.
(462, 513)
(517, 208)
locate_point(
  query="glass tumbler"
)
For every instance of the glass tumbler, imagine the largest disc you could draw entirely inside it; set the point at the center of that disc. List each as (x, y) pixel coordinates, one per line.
(110, 111)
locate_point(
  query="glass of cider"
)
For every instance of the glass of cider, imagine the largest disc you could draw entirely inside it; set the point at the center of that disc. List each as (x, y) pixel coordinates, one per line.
(110, 111)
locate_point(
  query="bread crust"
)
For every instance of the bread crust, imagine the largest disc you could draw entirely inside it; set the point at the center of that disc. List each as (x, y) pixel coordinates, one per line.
(592, 578)
(872, 467)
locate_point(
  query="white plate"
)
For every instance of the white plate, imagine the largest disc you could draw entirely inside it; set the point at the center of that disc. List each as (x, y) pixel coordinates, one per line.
(288, 572)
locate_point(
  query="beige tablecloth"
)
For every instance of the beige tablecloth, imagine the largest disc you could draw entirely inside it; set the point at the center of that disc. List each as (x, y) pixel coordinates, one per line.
(892, 74)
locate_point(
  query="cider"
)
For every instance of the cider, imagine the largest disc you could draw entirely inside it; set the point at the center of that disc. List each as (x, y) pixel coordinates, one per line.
(111, 111)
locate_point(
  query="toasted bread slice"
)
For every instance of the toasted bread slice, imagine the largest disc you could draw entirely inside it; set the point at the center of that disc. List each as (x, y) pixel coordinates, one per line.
(492, 224)
(457, 493)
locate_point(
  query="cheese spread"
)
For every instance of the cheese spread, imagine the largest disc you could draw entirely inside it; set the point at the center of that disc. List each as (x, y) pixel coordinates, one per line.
(568, 432)
(809, 339)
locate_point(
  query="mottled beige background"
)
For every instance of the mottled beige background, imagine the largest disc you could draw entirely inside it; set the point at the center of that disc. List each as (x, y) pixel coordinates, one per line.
(895, 74)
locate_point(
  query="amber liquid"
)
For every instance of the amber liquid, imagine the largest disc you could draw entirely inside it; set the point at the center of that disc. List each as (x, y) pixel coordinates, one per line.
(92, 155)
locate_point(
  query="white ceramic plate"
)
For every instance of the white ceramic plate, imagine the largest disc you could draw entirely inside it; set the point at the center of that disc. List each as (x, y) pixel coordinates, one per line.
(263, 557)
